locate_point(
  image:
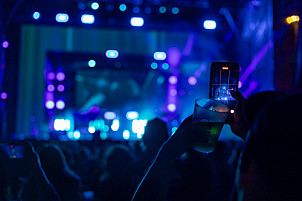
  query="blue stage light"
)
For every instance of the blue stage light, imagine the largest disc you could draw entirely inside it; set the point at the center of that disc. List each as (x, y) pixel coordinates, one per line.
(76, 134)
(123, 7)
(136, 10)
(91, 63)
(137, 21)
(62, 17)
(175, 10)
(162, 9)
(159, 55)
(62, 124)
(112, 53)
(209, 24)
(36, 15)
(87, 19)
(95, 6)
(154, 65)
(165, 66)
(115, 125)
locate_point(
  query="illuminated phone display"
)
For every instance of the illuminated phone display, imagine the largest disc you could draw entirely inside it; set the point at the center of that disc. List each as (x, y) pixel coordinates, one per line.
(224, 78)
(14, 151)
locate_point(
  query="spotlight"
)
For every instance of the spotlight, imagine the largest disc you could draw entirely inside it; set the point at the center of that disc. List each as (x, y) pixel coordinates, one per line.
(51, 87)
(192, 80)
(76, 134)
(132, 115)
(49, 104)
(171, 107)
(62, 17)
(95, 6)
(154, 65)
(162, 9)
(60, 105)
(159, 55)
(109, 115)
(137, 21)
(136, 10)
(62, 125)
(87, 19)
(209, 24)
(165, 66)
(60, 76)
(175, 10)
(5, 44)
(115, 125)
(3, 95)
(91, 63)
(112, 54)
(123, 7)
(173, 79)
(36, 15)
(51, 76)
(126, 134)
(91, 129)
(61, 88)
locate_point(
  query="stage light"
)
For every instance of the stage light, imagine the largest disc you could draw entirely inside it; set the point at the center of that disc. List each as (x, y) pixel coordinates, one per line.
(60, 76)
(175, 10)
(76, 134)
(51, 76)
(192, 80)
(82, 6)
(160, 80)
(173, 79)
(123, 7)
(51, 87)
(154, 65)
(292, 19)
(60, 104)
(115, 125)
(49, 104)
(132, 115)
(173, 92)
(126, 134)
(3, 95)
(138, 126)
(62, 124)
(148, 10)
(103, 135)
(70, 135)
(159, 55)
(137, 21)
(91, 63)
(109, 115)
(209, 24)
(171, 107)
(136, 10)
(5, 44)
(112, 54)
(95, 6)
(61, 88)
(165, 66)
(91, 129)
(162, 9)
(87, 19)
(36, 15)
(62, 17)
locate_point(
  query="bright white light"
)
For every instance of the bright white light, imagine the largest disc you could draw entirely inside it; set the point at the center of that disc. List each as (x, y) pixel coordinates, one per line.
(87, 19)
(171, 107)
(132, 115)
(76, 134)
(209, 24)
(138, 126)
(112, 54)
(62, 17)
(36, 15)
(126, 134)
(137, 21)
(61, 125)
(159, 55)
(174, 129)
(95, 6)
(115, 125)
(91, 129)
(91, 63)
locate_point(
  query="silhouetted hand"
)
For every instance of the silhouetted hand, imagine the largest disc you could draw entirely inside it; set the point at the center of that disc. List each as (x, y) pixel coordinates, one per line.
(181, 140)
(239, 124)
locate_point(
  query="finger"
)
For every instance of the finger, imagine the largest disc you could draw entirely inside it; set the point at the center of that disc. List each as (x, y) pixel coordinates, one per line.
(237, 96)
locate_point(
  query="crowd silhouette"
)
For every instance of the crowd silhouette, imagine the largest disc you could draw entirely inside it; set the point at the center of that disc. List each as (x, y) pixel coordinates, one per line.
(264, 165)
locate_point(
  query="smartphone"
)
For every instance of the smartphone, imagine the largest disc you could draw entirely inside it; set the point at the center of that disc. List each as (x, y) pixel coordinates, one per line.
(224, 77)
(13, 150)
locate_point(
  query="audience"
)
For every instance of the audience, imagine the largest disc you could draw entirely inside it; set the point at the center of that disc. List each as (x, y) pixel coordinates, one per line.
(164, 167)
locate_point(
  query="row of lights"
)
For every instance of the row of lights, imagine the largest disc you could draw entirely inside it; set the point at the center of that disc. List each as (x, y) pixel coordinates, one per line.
(134, 21)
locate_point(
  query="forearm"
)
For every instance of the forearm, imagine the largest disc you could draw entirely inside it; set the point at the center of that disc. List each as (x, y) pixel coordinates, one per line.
(154, 185)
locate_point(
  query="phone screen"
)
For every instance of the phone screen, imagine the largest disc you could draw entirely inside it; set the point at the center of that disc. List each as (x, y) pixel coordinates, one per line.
(14, 151)
(224, 78)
